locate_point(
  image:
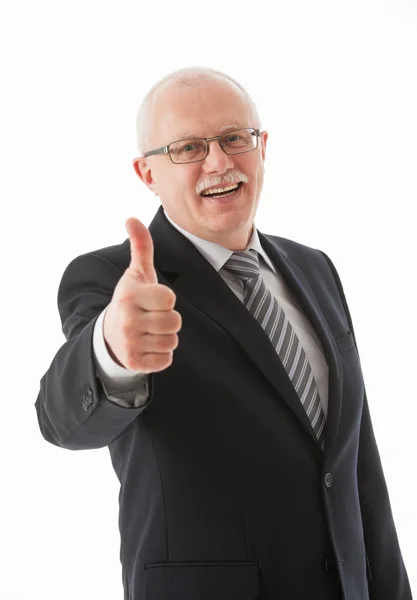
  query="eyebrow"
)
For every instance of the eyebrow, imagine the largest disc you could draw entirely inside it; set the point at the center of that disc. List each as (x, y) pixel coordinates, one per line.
(224, 128)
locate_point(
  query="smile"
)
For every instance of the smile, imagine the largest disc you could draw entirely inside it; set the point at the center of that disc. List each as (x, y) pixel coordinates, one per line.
(225, 197)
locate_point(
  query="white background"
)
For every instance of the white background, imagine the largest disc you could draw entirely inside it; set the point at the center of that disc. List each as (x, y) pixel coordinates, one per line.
(335, 84)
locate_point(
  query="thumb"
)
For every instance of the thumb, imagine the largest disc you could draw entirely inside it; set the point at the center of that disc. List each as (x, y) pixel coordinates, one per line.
(141, 251)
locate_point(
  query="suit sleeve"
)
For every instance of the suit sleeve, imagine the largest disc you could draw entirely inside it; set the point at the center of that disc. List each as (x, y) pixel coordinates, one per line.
(72, 407)
(388, 575)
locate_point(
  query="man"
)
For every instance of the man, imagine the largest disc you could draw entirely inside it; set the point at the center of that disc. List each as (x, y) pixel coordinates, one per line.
(237, 423)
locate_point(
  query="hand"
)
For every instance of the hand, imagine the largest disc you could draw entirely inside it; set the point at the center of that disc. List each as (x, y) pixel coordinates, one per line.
(140, 326)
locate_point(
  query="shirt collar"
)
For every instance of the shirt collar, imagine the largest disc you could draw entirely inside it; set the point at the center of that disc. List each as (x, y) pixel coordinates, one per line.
(216, 254)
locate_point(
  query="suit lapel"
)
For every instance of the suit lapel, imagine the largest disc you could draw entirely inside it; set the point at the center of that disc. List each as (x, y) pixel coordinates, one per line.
(301, 288)
(191, 276)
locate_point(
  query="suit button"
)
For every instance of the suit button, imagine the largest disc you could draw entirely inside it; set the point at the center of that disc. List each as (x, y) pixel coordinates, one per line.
(328, 480)
(329, 564)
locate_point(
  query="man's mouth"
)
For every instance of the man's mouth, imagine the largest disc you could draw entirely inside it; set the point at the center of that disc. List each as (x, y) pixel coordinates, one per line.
(221, 191)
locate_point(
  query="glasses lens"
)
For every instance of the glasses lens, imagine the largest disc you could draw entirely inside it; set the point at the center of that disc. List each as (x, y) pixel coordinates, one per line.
(240, 140)
(187, 150)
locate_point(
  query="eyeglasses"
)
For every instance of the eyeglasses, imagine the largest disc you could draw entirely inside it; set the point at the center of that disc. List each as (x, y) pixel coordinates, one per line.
(190, 150)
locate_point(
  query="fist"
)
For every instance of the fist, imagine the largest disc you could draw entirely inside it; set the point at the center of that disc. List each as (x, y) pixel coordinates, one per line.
(140, 326)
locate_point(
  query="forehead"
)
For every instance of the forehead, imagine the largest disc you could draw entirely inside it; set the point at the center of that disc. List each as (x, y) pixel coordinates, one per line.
(205, 109)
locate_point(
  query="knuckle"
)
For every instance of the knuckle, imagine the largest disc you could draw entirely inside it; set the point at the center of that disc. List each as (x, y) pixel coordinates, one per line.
(166, 343)
(165, 360)
(177, 320)
(171, 342)
(126, 297)
(169, 297)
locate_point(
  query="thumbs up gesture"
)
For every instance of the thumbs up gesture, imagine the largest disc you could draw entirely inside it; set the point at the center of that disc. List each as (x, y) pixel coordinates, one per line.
(140, 326)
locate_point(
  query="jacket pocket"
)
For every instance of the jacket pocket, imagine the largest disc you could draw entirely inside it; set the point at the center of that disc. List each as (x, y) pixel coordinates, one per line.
(345, 342)
(202, 581)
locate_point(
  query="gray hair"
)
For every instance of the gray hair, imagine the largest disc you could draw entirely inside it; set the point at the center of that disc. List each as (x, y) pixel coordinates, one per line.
(187, 76)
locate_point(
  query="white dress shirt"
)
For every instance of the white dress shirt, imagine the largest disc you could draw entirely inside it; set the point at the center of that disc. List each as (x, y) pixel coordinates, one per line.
(130, 388)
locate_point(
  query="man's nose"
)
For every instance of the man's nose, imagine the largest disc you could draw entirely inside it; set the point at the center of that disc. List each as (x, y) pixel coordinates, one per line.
(217, 159)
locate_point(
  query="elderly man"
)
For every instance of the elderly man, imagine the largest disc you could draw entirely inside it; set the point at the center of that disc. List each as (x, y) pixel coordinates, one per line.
(237, 423)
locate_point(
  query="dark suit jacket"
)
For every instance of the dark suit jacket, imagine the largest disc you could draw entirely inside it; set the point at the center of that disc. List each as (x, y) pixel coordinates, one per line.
(225, 493)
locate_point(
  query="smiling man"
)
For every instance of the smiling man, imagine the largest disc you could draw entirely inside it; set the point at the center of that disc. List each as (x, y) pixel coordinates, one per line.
(181, 110)
(237, 423)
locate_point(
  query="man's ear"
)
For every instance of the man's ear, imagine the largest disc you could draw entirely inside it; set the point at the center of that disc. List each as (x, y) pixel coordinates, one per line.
(264, 137)
(144, 173)
(141, 168)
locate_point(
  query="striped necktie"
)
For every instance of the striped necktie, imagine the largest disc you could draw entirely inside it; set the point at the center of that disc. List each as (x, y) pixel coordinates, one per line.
(270, 315)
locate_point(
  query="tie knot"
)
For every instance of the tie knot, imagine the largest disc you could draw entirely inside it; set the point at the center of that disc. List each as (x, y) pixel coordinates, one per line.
(243, 264)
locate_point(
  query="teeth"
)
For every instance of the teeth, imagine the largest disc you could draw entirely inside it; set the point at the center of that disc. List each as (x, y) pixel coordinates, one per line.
(222, 189)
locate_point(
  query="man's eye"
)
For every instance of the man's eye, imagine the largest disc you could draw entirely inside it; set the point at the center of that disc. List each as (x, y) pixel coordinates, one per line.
(229, 138)
(187, 148)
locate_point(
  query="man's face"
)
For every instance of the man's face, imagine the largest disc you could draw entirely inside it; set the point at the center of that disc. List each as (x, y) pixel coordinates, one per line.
(205, 110)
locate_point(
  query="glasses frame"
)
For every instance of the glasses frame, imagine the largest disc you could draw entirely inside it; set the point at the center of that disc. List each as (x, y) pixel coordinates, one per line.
(165, 149)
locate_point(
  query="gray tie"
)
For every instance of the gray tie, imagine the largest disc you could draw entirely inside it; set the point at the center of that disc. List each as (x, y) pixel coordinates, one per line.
(270, 315)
